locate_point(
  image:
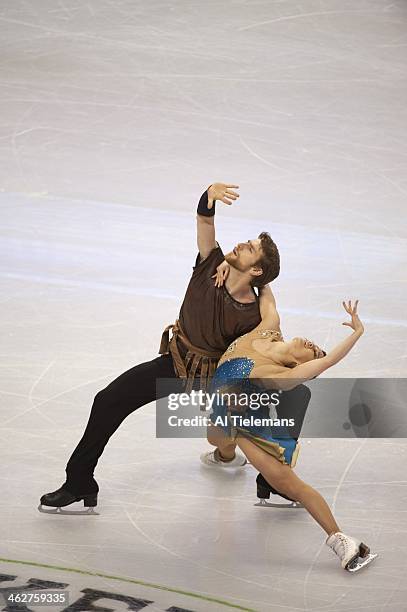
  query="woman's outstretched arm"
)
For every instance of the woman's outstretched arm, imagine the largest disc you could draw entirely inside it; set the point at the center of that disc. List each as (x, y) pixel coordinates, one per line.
(290, 378)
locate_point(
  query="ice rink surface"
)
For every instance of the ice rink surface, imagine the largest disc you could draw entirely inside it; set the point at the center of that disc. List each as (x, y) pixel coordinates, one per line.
(115, 116)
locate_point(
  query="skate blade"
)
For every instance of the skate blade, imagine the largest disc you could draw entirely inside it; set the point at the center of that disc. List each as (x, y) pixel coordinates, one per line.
(266, 504)
(357, 565)
(224, 466)
(50, 510)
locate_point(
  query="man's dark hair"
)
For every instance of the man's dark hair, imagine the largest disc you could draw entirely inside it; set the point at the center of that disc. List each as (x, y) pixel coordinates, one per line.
(269, 262)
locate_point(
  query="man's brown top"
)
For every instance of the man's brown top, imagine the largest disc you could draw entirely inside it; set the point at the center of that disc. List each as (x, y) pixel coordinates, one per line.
(209, 320)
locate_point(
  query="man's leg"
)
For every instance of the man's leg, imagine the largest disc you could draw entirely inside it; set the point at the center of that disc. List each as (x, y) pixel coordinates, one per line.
(111, 406)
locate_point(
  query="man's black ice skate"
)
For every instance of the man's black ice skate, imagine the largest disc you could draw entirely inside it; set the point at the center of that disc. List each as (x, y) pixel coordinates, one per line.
(263, 493)
(57, 500)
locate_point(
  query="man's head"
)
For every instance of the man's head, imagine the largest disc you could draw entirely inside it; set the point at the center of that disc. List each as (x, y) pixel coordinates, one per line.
(259, 258)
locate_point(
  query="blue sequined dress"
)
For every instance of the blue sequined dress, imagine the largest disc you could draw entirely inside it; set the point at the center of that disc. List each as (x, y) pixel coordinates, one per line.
(232, 377)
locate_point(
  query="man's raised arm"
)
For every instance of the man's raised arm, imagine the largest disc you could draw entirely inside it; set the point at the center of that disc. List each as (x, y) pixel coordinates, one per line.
(205, 217)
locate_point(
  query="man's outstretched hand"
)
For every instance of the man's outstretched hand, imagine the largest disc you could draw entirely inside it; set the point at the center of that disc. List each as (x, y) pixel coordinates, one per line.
(222, 192)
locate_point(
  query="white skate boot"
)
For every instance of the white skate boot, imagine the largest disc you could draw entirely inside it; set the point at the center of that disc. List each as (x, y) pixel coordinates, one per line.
(212, 458)
(353, 554)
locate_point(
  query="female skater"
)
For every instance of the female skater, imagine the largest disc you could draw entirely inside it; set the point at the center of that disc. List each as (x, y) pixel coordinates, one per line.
(262, 354)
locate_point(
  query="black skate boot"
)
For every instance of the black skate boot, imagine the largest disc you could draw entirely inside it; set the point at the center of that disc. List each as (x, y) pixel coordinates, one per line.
(57, 500)
(263, 493)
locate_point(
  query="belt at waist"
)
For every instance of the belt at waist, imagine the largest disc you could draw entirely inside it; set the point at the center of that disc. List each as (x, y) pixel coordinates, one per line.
(195, 357)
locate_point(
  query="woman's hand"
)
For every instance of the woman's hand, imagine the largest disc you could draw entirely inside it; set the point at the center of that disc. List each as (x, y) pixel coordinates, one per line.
(222, 272)
(355, 323)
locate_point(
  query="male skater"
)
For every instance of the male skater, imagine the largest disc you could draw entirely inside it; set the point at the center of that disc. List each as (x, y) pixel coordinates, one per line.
(210, 319)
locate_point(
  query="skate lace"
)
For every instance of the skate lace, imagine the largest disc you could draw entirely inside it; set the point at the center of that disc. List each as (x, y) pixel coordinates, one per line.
(341, 545)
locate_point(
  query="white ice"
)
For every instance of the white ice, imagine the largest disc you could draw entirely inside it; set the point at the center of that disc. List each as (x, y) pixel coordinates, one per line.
(114, 117)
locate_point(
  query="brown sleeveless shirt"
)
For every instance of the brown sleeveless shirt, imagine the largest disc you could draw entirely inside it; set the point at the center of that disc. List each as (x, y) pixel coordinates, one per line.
(209, 320)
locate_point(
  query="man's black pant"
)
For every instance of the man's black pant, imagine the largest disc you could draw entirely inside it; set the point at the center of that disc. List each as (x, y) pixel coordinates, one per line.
(111, 406)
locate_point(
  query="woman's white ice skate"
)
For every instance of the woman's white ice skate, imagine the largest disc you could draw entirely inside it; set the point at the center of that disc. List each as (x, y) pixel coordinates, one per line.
(353, 554)
(211, 458)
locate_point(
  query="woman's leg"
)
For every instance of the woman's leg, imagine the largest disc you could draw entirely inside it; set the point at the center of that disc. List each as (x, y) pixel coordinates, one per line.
(226, 446)
(285, 480)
